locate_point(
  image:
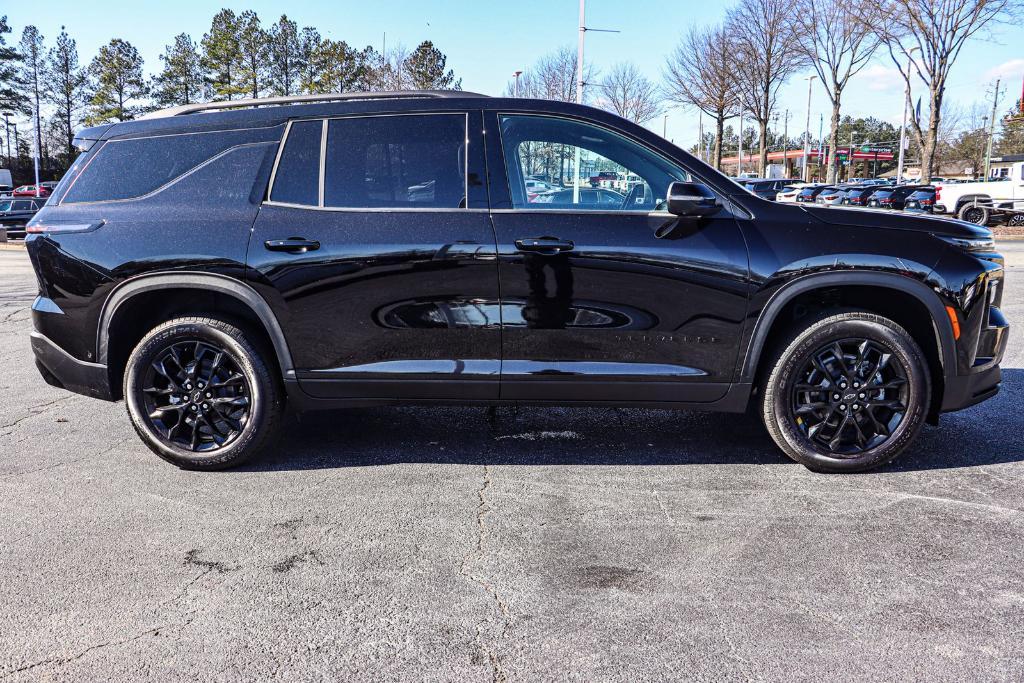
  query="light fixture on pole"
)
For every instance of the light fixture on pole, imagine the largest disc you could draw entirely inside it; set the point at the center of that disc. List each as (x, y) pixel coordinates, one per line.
(516, 76)
(807, 130)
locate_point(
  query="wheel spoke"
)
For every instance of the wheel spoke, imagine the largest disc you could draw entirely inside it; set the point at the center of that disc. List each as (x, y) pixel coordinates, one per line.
(840, 356)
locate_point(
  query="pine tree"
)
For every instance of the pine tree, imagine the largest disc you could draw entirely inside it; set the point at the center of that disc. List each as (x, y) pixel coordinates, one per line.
(181, 81)
(11, 96)
(425, 69)
(1011, 137)
(33, 55)
(309, 48)
(285, 57)
(117, 80)
(66, 91)
(334, 67)
(253, 50)
(221, 55)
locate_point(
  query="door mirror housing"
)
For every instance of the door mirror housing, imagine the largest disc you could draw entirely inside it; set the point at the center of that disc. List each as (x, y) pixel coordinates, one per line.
(691, 199)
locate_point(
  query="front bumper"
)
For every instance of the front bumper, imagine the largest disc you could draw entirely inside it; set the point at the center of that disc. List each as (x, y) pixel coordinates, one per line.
(62, 370)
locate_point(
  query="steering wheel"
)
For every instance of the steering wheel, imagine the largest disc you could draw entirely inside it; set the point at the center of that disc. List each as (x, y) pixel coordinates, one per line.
(635, 193)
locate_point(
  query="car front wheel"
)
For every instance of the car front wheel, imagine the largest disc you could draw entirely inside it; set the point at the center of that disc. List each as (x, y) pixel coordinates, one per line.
(849, 393)
(201, 395)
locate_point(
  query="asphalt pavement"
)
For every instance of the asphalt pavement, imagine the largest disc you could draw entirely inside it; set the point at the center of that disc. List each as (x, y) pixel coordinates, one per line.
(459, 544)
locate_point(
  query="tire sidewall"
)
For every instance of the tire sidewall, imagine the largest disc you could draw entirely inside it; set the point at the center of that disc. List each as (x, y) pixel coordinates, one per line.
(146, 352)
(797, 445)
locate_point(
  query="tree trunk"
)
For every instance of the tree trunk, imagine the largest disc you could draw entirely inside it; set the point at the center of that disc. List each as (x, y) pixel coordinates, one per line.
(833, 143)
(931, 137)
(719, 132)
(762, 127)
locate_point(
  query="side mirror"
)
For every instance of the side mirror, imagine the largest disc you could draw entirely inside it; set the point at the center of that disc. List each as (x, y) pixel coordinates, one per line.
(691, 199)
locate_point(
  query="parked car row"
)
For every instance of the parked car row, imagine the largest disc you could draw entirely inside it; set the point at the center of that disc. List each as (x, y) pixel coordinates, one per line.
(874, 195)
(17, 211)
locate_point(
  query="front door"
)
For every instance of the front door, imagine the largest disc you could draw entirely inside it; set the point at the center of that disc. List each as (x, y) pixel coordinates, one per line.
(604, 296)
(376, 251)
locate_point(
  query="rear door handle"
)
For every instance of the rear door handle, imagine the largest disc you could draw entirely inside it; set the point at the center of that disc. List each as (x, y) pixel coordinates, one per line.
(295, 245)
(544, 245)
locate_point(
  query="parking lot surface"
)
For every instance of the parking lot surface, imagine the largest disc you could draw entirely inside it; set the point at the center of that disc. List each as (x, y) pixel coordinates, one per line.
(529, 544)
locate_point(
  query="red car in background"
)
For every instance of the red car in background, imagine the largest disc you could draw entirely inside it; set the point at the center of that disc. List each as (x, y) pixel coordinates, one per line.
(30, 191)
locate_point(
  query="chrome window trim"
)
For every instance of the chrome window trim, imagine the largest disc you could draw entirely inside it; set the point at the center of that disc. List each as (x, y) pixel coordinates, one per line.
(375, 209)
(277, 159)
(323, 162)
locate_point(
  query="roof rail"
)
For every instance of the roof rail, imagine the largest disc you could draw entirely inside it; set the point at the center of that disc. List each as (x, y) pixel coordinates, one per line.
(304, 99)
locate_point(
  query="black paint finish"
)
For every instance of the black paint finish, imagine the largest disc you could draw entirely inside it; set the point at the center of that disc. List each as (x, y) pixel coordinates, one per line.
(484, 303)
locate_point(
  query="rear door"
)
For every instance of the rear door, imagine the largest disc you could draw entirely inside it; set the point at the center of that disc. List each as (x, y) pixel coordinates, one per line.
(377, 254)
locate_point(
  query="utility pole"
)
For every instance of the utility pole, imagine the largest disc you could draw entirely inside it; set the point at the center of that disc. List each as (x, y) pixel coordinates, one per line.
(785, 145)
(739, 157)
(807, 130)
(7, 127)
(821, 143)
(700, 135)
(991, 132)
(516, 75)
(37, 145)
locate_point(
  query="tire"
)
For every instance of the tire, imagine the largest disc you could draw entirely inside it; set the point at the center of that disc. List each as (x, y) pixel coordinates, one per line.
(973, 213)
(234, 400)
(802, 417)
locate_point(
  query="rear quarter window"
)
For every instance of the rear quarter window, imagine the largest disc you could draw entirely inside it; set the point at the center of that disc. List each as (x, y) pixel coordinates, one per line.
(132, 168)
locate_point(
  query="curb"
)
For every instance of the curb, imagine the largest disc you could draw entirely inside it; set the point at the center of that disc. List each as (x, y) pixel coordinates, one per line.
(12, 245)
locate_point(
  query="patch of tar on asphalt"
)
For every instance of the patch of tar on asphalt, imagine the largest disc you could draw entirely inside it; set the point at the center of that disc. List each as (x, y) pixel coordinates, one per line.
(541, 436)
(608, 577)
(292, 561)
(192, 560)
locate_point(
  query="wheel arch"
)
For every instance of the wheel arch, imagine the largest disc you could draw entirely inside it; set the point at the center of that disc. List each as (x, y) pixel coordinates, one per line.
(241, 299)
(769, 322)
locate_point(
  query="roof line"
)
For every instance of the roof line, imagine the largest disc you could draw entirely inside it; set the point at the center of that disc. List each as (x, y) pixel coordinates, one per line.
(184, 109)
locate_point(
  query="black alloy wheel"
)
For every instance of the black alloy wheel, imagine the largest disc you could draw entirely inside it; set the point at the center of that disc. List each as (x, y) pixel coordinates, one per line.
(196, 397)
(847, 392)
(850, 396)
(202, 394)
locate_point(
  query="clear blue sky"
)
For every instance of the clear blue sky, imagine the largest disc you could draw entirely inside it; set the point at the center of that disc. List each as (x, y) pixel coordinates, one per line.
(486, 40)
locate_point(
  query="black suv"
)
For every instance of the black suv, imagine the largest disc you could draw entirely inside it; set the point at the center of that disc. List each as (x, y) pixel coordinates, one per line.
(213, 262)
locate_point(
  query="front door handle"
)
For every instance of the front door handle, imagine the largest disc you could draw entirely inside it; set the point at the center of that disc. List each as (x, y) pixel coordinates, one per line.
(294, 245)
(544, 245)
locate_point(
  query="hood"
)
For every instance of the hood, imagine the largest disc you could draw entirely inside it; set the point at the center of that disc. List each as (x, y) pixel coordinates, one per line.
(873, 218)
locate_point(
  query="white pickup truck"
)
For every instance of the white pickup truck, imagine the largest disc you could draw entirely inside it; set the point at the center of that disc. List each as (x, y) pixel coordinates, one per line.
(987, 201)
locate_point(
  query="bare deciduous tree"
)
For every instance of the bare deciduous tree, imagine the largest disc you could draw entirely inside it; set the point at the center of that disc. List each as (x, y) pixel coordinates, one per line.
(924, 38)
(838, 44)
(765, 55)
(629, 93)
(699, 74)
(553, 77)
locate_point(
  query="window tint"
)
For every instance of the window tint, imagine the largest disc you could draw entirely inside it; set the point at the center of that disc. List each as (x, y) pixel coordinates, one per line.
(23, 206)
(125, 169)
(297, 180)
(614, 173)
(415, 161)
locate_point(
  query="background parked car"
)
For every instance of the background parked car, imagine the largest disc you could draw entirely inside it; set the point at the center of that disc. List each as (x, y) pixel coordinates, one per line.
(832, 196)
(921, 199)
(30, 191)
(892, 197)
(766, 189)
(789, 193)
(809, 194)
(589, 196)
(15, 213)
(858, 196)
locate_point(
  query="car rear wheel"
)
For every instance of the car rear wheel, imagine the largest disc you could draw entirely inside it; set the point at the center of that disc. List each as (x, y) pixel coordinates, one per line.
(201, 394)
(849, 393)
(972, 213)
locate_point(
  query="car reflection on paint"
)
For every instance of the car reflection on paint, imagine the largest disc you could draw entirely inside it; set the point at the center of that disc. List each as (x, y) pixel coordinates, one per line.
(478, 313)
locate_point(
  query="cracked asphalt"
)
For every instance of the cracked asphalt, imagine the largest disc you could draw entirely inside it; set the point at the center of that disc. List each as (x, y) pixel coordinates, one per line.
(460, 544)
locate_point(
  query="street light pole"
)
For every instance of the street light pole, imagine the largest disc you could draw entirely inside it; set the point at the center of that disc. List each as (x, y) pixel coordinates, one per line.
(7, 128)
(579, 94)
(739, 157)
(807, 130)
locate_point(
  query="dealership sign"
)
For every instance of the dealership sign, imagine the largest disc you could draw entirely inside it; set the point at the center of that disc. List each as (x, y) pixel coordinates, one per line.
(868, 152)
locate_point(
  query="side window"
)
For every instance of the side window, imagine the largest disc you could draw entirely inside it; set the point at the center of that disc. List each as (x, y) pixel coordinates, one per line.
(297, 179)
(23, 205)
(613, 172)
(413, 161)
(126, 169)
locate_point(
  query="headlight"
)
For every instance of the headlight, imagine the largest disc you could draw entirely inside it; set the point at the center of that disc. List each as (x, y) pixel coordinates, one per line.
(972, 244)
